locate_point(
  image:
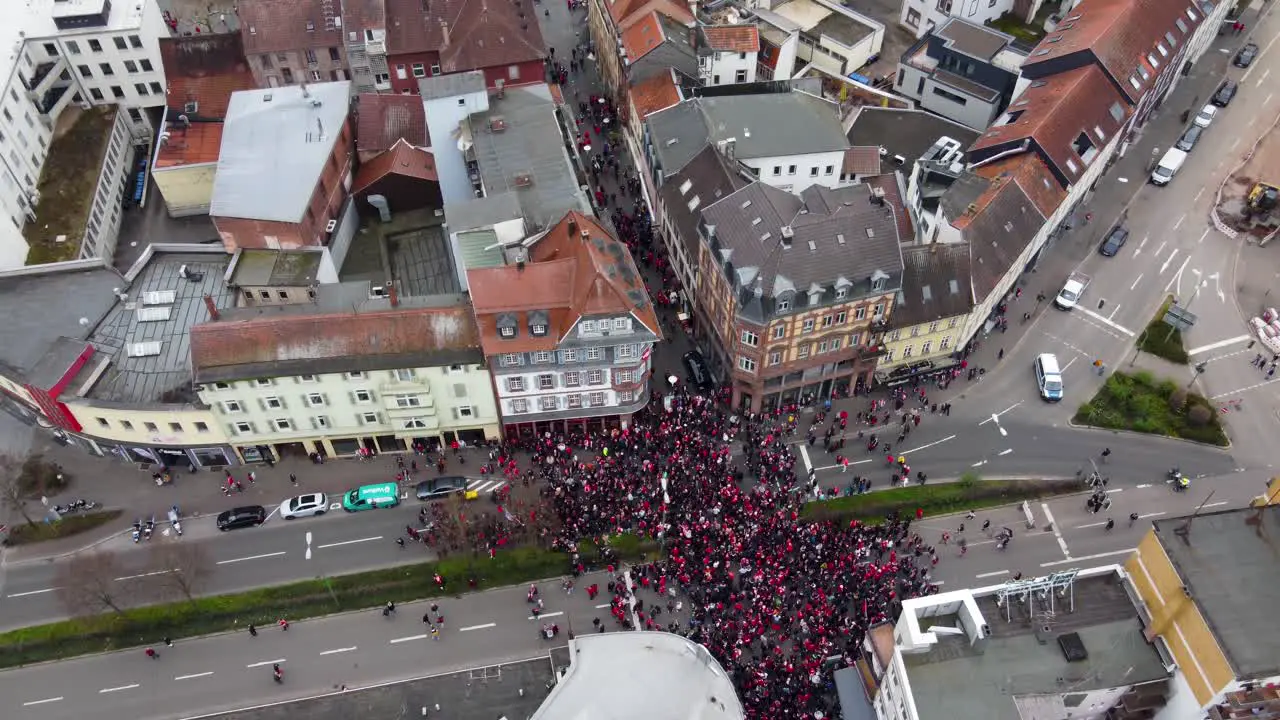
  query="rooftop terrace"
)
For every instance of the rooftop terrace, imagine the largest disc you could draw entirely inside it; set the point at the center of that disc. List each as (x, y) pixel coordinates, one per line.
(67, 186)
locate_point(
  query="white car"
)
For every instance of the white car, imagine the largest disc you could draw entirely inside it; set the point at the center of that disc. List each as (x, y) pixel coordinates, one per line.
(1206, 116)
(304, 506)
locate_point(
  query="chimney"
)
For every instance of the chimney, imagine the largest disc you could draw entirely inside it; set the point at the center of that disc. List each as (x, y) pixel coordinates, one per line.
(693, 31)
(573, 227)
(444, 33)
(393, 293)
(212, 307)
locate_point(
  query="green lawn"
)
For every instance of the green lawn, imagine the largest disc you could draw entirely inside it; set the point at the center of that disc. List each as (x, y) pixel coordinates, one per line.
(1141, 403)
(22, 533)
(970, 493)
(1013, 25)
(1163, 340)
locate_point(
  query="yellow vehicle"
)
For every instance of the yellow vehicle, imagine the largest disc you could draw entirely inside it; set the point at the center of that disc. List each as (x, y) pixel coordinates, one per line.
(1260, 204)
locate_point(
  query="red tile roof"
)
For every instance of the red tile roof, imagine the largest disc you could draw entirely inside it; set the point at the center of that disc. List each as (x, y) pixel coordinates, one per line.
(197, 143)
(468, 34)
(384, 119)
(642, 37)
(1033, 176)
(360, 15)
(205, 69)
(1053, 112)
(863, 160)
(401, 159)
(732, 38)
(658, 92)
(626, 13)
(576, 268)
(282, 25)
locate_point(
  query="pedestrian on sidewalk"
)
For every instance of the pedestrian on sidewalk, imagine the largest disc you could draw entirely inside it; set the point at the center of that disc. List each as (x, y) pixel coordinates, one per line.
(293, 479)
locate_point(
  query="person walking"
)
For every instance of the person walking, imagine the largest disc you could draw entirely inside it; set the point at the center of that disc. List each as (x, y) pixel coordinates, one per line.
(253, 631)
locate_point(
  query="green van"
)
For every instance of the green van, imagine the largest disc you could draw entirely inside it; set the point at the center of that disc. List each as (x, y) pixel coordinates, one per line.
(370, 497)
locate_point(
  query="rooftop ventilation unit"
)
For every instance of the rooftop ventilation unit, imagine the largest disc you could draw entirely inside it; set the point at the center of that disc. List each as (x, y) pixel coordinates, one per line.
(523, 180)
(497, 124)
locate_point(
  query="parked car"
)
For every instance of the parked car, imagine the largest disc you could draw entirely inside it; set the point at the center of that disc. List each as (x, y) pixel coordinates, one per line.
(1226, 91)
(371, 497)
(1189, 138)
(1114, 241)
(699, 374)
(1206, 116)
(1246, 56)
(441, 487)
(304, 506)
(242, 517)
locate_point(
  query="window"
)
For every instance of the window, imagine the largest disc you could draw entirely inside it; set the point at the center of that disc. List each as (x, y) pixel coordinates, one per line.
(95, 46)
(779, 331)
(520, 405)
(404, 375)
(807, 327)
(465, 411)
(419, 70)
(548, 402)
(596, 399)
(569, 355)
(538, 329)
(842, 293)
(460, 390)
(946, 343)
(588, 326)
(926, 347)
(775, 357)
(777, 170)
(624, 352)
(242, 428)
(915, 331)
(595, 377)
(740, 76)
(362, 397)
(130, 66)
(117, 92)
(593, 353)
(515, 384)
(369, 418)
(842, 317)
(513, 72)
(573, 401)
(273, 403)
(282, 424)
(262, 382)
(140, 88)
(813, 171)
(784, 304)
(202, 426)
(120, 43)
(906, 351)
(953, 323)
(541, 356)
(150, 426)
(176, 427)
(750, 338)
(73, 47)
(626, 396)
(333, 54)
(621, 324)
(746, 363)
(145, 65)
(407, 401)
(822, 347)
(509, 359)
(878, 310)
(953, 97)
(546, 382)
(315, 400)
(833, 344)
(791, 169)
(507, 332)
(310, 56)
(85, 71)
(854, 338)
(572, 379)
(320, 421)
(802, 352)
(827, 320)
(403, 74)
(102, 422)
(435, 69)
(135, 42)
(96, 94)
(1181, 25)
(355, 375)
(623, 376)
(231, 407)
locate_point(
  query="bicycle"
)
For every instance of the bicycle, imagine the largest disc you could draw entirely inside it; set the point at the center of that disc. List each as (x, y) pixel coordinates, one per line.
(1133, 518)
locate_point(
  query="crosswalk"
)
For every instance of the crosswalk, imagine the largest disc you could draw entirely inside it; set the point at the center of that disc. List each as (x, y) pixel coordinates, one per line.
(483, 486)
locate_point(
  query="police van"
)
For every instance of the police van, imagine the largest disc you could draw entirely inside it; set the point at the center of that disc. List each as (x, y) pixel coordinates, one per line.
(1048, 377)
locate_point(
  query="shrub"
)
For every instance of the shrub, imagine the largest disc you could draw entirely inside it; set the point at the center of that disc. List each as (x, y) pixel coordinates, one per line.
(935, 499)
(1199, 416)
(24, 534)
(1178, 400)
(1145, 405)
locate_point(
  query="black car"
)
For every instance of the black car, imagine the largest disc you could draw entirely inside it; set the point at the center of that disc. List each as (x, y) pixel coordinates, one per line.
(441, 487)
(699, 374)
(1226, 91)
(242, 517)
(1189, 138)
(1246, 56)
(1114, 241)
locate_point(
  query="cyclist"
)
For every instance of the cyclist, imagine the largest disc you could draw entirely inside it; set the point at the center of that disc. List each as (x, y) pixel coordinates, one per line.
(277, 673)
(1106, 453)
(1133, 518)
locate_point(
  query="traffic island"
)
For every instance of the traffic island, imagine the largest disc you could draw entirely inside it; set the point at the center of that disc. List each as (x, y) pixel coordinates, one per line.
(1162, 339)
(970, 492)
(1141, 403)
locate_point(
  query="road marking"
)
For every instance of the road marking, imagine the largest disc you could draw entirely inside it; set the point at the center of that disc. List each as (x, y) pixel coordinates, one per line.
(1244, 389)
(338, 650)
(1234, 143)
(32, 592)
(1264, 77)
(1169, 259)
(1136, 281)
(996, 416)
(1082, 527)
(922, 447)
(1179, 222)
(980, 463)
(41, 702)
(272, 662)
(851, 462)
(469, 628)
(118, 689)
(1069, 363)
(1220, 502)
(251, 557)
(1219, 344)
(410, 638)
(198, 675)
(1203, 235)
(1150, 515)
(992, 574)
(1268, 100)
(1115, 490)
(558, 613)
(804, 455)
(1113, 553)
(150, 574)
(348, 542)
(1057, 531)
(1002, 453)
(1146, 485)
(1105, 320)
(1198, 194)
(601, 607)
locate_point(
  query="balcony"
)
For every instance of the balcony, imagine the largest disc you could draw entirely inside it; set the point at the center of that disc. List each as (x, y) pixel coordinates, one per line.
(871, 352)
(50, 104)
(375, 47)
(638, 381)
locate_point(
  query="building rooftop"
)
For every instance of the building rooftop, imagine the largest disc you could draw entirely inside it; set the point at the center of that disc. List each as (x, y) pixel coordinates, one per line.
(1227, 562)
(271, 26)
(143, 350)
(907, 134)
(68, 184)
(527, 155)
(40, 19)
(976, 41)
(678, 133)
(627, 12)
(843, 29)
(384, 119)
(467, 35)
(1023, 672)
(935, 284)
(637, 676)
(401, 159)
(998, 220)
(37, 313)
(274, 268)
(275, 142)
(447, 86)
(189, 144)
(658, 92)
(311, 340)
(755, 123)
(685, 191)
(730, 38)
(205, 70)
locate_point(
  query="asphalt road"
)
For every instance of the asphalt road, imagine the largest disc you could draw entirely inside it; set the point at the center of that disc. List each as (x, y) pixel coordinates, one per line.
(225, 672)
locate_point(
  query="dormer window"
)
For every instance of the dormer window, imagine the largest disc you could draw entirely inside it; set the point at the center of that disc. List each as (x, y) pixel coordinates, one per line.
(507, 332)
(879, 281)
(507, 325)
(815, 297)
(538, 321)
(784, 304)
(842, 293)
(538, 329)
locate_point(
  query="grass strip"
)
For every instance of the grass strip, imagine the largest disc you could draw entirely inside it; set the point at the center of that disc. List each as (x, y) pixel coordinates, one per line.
(1163, 340)
(969, 493)
(24, 534)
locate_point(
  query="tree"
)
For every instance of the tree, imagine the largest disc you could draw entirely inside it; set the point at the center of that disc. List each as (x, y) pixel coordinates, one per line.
(12, 493)
(182, 567)
(89, 583)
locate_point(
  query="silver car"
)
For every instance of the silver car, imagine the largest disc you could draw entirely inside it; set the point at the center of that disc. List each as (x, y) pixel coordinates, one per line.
(304, 506)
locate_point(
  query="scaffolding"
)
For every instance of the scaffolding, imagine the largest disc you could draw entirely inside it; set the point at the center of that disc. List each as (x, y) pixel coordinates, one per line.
(1044, 589)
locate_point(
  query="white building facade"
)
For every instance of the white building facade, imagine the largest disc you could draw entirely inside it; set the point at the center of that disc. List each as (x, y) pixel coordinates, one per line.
(727, 68)
(922, 16)
(795, 173)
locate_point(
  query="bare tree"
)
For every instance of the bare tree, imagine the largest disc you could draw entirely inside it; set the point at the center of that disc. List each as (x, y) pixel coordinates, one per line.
(183, 567)
(13, 495)
(89, 583)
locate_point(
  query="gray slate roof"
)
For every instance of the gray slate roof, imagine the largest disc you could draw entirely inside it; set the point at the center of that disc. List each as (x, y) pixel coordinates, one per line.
(908, 133)
(447, 86)
(998, 231)
(677, 134)
(840, 237)
(773, 124)
(936, 283)
(973, 40)
(275, 142)
(705, 179)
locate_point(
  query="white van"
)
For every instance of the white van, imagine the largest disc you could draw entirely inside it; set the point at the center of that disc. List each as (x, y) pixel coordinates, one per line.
(1048, 377)
(1168, 166)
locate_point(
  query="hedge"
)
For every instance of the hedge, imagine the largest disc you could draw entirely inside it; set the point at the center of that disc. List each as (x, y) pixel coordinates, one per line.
(937, 499)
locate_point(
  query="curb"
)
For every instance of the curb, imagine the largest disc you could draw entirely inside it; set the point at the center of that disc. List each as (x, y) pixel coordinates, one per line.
(1118, 431)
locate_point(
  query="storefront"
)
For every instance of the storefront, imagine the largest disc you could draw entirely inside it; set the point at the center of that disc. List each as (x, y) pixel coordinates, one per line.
(349, 446)
(179, 458)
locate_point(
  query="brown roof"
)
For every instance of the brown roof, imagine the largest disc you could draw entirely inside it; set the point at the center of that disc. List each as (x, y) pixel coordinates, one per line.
(863, 160)
(626, 13)
(888, 183)
(401, 159)
(278, 344)
(1033, 176)
(642, 37)
(576, 269)
(205, 69)
(658, 92)
(199, 142)
(1054, 112)
(732, 38)
(384, 119)
(282, 25)
(468, 34)
(360, 15)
